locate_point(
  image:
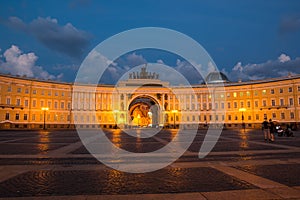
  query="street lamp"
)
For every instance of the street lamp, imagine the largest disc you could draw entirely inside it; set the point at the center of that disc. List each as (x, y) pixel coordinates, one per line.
(174, 113)
(45, 110)
(138, 117)
(243, 110)
(116, 117)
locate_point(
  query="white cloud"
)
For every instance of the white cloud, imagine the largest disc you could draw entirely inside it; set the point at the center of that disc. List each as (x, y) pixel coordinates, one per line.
(18, 63)
(284, 58)
(160, 61)
(282, 66)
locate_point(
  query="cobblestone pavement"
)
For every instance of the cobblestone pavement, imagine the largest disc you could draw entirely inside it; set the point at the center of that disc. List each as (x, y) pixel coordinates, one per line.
(56, 165)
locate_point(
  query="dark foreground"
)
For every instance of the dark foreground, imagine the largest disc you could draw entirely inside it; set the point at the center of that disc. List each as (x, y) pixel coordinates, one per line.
(56, 165)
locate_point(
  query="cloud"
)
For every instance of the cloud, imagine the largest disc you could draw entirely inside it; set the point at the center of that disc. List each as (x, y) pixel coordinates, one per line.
(64, 39)
(18, 63)
(284, 58)
(282, 66)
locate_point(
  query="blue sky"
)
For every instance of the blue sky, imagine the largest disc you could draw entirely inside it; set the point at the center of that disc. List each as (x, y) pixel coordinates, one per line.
(246, 39)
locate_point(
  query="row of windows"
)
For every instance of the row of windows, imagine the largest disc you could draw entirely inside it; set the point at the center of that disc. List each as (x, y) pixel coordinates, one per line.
(43, 92)
(42, 103)
(34, 117)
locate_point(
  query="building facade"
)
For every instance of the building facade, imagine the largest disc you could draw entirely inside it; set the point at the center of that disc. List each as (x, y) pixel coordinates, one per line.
(35, 104)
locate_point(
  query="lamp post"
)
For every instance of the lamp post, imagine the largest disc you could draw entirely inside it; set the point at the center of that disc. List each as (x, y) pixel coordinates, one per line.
(242, 110)
(45, 110)
(174, 113)
(138, 117)
(116, 117)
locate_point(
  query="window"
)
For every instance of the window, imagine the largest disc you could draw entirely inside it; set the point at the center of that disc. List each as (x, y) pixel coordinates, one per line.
(290, 89)
(241, 94)
(235, 104)
(17, 116)
(34, 92)
(264, 103)
(69, 105)
(19, 90)
(255, 93)
(25, 116)
(265, 116)
(68, 118)
(228, 104)
(228, 94)
(62, 94)
(280, 90)
(26, 91)
(264, 92)
(256, 104)
(299, 100)
(236, 117)
(56, 93)
(49, 104)
(274, 115)
(26, 102)
(257, 116)
(33, 117)
(7, 116)
(62, 105)
(42, 103)
(282, 116)
(292, 115)
(291, 100)
(272, 91)
(216, 106)
(229, 117)
(248, 104)
(282, 102)
(49, 93)
(222, 105)
(298, 88)
(18, 102)
(9, 89)
(217, 118)
(249, 117)
(234, 94)
(248, 94)
(55, 104)
(273, 102)
(8, 101)
(33, 103)
(242, 104)
(42, 92)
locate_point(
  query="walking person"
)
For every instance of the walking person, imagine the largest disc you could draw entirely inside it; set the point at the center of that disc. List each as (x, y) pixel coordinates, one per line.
(272, 130)
(265, 128)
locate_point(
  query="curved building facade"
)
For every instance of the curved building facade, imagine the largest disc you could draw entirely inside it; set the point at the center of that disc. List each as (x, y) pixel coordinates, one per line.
(35, 104)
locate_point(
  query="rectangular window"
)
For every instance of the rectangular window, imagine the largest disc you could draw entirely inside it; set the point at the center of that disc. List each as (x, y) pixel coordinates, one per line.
(62, 105)
(265, 116)
(56, 93)
(18, 102)
(228, 104)
(7, 116)
(26, 91)
(33, 103)
(264, 103)
(228, 94)
(17, 116)
(248, 104)
(25, 116)
(26, 102)
(241, 94)
(273, 102)
(272, 91)
(234, 94)
(42, 103)
(49, 104)
(264, 92)
(249, 117)
(42, 92)
(292, 115)
(256, 104)
(9, 89)
(222, 105)
(290, 89)
(280, 90)
(8, 101)
(235, 104)
(62, 94)
(298, 88)
(282, 102)
(282, 116)
(55, 104)
(216, 106)
(242, 104)
(68, 118)
(255, 93)
(49, 93)
(229, 117)
(33, 117)
(248, 94)
(257, 116)
(34, 92)
(274, 115)
(69, 105)
(291, 100)
(19, 90)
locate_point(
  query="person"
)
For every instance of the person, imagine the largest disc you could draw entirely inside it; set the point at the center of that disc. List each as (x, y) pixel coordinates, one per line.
(265, 128)
(272, 130)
